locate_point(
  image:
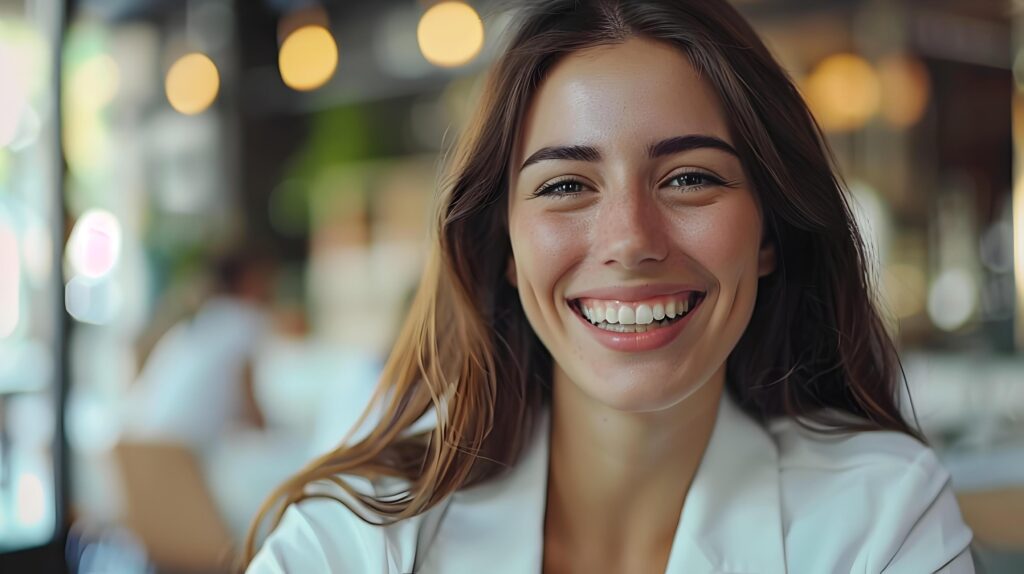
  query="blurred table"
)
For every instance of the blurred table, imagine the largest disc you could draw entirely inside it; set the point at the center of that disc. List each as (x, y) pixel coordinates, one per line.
(996, 516)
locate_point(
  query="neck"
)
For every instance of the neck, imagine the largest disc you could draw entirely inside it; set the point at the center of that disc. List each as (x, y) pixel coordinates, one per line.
(617, 480)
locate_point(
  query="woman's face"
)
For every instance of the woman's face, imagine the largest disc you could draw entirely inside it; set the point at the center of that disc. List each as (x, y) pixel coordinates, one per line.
(636, 236)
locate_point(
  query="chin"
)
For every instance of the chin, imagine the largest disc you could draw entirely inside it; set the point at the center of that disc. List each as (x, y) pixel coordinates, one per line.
(637, 392)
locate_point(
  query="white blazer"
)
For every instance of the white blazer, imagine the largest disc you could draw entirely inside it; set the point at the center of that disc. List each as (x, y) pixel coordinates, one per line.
(764, 500)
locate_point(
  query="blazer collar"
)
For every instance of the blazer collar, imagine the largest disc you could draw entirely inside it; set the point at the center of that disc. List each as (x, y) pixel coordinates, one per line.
(731, 520)
(732, 516)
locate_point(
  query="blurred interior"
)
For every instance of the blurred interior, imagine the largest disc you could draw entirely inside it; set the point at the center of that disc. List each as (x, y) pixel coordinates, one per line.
(213, 214)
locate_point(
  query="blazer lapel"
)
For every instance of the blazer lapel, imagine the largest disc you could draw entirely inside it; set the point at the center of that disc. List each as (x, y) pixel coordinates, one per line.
(497, 527)
(731, 520)
(732, 516)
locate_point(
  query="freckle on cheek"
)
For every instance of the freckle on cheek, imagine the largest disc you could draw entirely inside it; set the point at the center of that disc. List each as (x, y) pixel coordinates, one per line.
(551, 239)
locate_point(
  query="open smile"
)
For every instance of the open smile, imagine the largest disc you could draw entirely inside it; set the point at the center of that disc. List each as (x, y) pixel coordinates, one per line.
(637, 325)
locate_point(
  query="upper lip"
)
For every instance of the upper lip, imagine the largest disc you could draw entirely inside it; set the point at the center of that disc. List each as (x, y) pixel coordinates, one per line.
(635, 293)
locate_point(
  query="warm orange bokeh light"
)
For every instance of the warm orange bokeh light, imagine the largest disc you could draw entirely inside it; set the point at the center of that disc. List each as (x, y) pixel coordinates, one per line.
(906, 88)
(308, 58)
(192, 83)
(450, 34)
(844, 92)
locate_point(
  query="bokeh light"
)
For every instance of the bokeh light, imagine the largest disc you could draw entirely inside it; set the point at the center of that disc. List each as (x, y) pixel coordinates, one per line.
(192, 83)
(906, 88)
(32, 499)
(23, 77)
(10, 280)
(906, 289)
(13, 96)
(37, 251)
(90, 300)
(95, 243)
(95, 82)
(952, 299)
(843, 91)
(308, 58)
(450, 34)
(86, 142)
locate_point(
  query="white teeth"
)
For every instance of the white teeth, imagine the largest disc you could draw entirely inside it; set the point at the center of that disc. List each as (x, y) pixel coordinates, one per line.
(611, 315)
(644, 315)
(627, 316)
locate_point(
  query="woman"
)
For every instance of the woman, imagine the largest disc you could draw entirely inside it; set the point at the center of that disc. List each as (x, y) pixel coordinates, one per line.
(646, 336)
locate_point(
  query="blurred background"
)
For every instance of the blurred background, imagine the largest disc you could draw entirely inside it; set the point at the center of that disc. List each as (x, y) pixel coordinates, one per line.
(213, 214)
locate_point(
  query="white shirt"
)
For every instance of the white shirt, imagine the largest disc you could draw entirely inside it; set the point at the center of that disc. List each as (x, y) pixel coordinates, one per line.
(780, 499)
(190, 389)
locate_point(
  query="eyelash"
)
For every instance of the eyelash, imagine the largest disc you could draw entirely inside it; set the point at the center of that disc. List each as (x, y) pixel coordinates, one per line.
(549, 188)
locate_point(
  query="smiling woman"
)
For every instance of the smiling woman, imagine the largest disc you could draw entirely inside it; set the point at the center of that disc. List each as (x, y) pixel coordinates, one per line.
(645, 336)
(650, 207)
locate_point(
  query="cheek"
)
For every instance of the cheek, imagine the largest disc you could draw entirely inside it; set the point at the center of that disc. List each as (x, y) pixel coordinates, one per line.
(544, 246)
(724, 238)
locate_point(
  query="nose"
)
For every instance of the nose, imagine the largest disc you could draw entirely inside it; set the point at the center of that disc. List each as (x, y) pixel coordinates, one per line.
(629, 230)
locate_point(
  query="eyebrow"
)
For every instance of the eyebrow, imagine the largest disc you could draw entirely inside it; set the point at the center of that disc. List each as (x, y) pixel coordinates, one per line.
(665, 147)
(568, 153)
(686, 143)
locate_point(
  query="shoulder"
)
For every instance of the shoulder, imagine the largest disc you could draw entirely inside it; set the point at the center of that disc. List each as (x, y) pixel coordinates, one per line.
(871, 501)
(320, 534)
(801, 447)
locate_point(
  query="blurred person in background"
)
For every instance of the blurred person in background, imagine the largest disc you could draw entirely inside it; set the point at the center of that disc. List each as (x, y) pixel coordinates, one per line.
(197, 383)
(196, 451)
(200, 389)
(646, 334)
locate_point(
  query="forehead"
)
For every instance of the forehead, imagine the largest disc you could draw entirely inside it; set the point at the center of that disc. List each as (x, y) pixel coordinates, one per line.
(621, 96)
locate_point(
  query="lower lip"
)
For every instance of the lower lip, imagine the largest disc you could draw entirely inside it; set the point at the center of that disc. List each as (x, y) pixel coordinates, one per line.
(638, 342)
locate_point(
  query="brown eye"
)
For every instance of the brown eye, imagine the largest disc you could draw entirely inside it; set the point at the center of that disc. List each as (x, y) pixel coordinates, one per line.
(693, 180)
(560, 188)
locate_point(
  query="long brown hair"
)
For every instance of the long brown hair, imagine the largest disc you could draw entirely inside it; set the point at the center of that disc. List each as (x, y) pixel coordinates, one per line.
(815, 347)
